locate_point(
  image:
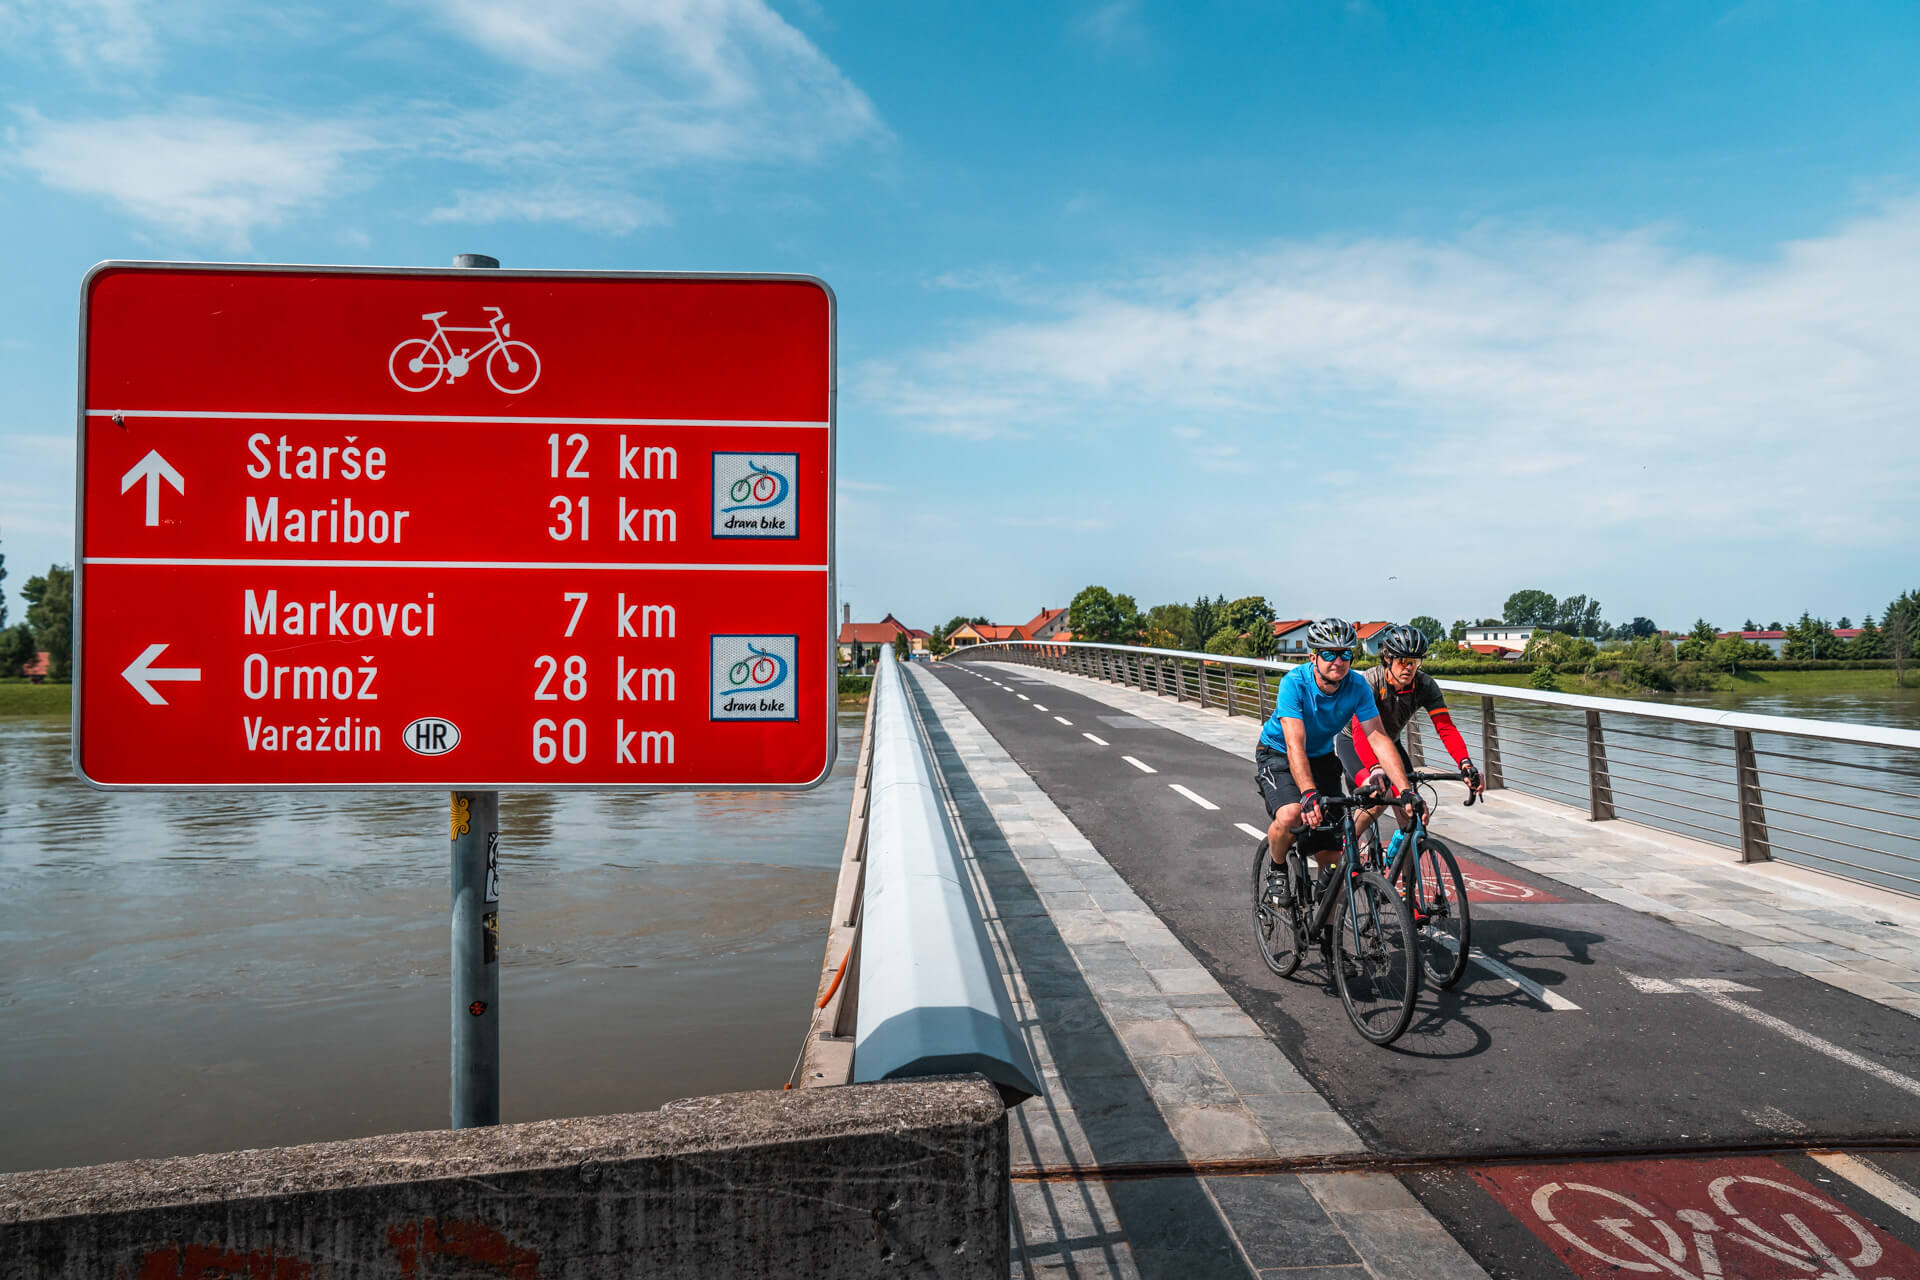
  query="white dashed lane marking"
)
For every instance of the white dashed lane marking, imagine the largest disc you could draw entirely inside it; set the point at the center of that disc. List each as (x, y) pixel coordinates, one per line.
(1063, 720)
(1144, 768)
(1551, 999)
(1023, 697)
(1038, 707)
(1251, 830)
(1098, 742)
(1194, 796)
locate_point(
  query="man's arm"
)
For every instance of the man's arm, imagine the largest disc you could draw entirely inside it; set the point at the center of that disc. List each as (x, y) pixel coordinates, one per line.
(1295, 732)
(1388, 754)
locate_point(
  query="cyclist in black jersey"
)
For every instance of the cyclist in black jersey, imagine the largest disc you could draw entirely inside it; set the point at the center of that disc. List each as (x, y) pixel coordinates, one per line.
(1401, 688)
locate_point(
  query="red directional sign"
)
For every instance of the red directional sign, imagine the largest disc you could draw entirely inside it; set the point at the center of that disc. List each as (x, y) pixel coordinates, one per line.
(483, 529)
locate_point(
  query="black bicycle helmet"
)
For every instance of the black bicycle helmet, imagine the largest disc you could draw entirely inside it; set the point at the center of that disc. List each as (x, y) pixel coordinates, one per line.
(1332, 633)
(1402, 641)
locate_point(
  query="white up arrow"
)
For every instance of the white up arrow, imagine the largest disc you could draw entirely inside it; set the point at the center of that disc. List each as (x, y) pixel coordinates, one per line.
(153, 469)
(141, 672)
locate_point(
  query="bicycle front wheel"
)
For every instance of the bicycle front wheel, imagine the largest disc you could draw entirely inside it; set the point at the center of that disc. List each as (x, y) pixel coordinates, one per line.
(1276, 928)
(1374, 962)
(1441, 914)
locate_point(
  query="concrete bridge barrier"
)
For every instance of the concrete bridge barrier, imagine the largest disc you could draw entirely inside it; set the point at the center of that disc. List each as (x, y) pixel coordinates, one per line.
(868, 1180)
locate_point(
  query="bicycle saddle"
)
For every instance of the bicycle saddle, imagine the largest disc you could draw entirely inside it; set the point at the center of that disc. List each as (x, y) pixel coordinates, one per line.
(433, 315)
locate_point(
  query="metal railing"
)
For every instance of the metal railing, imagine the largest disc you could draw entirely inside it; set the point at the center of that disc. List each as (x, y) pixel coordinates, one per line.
(918, 988)
(1836, 797)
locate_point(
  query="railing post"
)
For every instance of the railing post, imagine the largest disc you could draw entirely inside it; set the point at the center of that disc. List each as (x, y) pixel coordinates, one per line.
(1230, 690)
(1200, 674)
(1179, 680)
(1599, 782)
(1415, 752)
(1490, 745)
(1755, 843)
(1260, 694)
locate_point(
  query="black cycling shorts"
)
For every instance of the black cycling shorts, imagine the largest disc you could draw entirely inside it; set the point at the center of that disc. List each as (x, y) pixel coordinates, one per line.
(1275, 779)
(1350, 759)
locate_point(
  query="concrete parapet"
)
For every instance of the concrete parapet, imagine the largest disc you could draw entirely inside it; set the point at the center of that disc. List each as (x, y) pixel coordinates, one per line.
(905, 1177)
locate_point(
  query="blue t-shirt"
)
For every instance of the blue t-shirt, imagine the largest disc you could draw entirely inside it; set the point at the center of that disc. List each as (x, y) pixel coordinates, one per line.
(1323, 714)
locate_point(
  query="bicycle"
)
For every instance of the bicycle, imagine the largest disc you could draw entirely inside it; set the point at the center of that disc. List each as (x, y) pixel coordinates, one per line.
(1431, 883)
(434, 357)
(1369, 949)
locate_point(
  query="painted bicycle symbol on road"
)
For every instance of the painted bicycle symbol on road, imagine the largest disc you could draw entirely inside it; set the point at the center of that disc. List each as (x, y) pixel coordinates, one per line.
(763, 670)
(1811, 1237)
(418, 364)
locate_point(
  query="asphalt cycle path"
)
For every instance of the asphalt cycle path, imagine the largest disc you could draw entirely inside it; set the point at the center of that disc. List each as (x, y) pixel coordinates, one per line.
(1585, 1028)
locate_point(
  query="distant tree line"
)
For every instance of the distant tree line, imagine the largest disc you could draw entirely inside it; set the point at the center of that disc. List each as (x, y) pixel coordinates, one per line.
(48, 626)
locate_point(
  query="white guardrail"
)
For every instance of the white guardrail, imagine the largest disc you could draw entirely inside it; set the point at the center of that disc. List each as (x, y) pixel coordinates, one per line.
(1837, 797)
(917, 991)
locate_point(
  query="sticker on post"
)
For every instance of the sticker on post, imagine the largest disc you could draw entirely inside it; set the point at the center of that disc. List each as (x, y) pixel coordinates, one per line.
(753, 678)
(756, 495)
(493, 866)
(431, 736)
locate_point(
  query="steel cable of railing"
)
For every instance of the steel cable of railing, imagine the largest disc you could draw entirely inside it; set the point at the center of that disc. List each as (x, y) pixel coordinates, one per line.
(1846, 764)
(1801, 776)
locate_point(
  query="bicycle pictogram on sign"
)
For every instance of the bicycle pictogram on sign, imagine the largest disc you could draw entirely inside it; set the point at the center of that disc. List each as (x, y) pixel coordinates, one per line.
(418, 364)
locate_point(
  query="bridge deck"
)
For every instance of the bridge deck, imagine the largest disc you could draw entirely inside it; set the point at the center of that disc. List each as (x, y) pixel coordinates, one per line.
(1669, 1003)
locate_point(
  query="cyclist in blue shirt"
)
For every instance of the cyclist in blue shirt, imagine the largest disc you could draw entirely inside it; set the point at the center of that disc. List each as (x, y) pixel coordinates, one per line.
(1295, 760)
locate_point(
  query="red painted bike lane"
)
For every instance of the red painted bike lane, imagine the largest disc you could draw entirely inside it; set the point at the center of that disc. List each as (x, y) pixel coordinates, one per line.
(1727, 1218)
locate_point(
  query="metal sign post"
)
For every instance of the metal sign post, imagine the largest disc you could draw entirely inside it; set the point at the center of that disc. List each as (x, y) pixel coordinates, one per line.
(474, 1091)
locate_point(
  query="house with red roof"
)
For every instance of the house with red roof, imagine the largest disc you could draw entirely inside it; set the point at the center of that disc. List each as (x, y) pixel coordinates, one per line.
(1290, 635)
(1045, 625)
(874, 634)
(36, 671)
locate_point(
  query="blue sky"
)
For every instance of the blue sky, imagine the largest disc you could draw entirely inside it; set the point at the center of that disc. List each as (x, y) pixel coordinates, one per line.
(1374, 309)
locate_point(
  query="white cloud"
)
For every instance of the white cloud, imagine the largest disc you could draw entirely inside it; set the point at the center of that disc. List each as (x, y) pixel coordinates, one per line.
(196, 174)
(89, 35)
(672, 79)
(613, 212)
(1550, 385)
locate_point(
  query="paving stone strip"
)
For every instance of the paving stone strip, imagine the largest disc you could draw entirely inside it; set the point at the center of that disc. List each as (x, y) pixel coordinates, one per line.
(1862, 940)
(1146, 1060)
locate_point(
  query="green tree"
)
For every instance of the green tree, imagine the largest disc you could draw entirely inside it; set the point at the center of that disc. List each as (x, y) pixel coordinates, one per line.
(1251, 619)
(1811, 637)
(1170, 626)
(50, 614)
(1458, 631)
(1429, 627)
(1845, 623)
(1576, 615)
(903, 646)
(856, 656)
(1639, 629)
(1102, 617)
(1748, 625)
(1206, 618)
(1542, 678)
(1557, 648)
(1530, 606)
(1870, 643)
(16, 649)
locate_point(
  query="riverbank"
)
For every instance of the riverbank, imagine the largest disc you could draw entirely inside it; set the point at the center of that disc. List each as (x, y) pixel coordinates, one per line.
(1756, 682)
(22, 698)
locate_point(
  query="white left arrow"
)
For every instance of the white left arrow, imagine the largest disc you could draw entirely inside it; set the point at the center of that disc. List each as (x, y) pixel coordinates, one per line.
(141, 672)
(153, 469)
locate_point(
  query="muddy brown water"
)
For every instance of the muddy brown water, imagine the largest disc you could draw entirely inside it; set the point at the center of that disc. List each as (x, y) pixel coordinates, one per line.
(191, 973)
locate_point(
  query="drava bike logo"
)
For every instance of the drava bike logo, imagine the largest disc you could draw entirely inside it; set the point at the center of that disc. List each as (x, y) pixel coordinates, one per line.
(761, 672)
(756, 492)
(418, 364)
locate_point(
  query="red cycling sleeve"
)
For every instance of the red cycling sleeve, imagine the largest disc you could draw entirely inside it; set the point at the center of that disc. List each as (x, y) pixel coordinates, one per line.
(1361, 747)
(1443, 725)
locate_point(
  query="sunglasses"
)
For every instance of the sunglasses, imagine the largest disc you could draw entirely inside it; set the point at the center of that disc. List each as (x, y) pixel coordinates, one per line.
(1334, 655)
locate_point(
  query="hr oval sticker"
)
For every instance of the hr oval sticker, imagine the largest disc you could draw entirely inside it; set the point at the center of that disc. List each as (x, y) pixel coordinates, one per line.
(431, 736)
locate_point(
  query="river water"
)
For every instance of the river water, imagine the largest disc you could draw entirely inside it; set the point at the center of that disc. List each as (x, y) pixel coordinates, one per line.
(188, 973)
